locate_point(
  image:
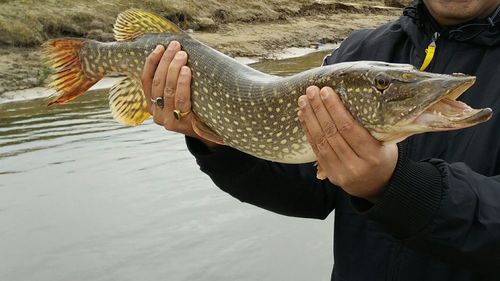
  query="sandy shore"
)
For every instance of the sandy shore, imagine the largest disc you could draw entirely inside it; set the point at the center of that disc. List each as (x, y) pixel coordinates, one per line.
(325, 22)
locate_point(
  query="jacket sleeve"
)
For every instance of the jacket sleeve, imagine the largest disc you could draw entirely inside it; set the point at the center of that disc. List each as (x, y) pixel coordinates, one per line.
(446, 210)
(290, 190)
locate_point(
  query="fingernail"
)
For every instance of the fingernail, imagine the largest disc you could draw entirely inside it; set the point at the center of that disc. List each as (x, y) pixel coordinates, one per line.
(324, 94)
(310, 94)
(302, 102)
(172, 45)
(180, 55)
(184, 70)
(158, 49)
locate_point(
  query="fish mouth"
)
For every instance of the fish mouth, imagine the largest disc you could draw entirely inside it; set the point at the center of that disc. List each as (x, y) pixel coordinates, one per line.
(446, 113)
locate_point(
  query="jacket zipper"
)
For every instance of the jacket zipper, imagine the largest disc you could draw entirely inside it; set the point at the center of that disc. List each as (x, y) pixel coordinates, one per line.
(430, 51)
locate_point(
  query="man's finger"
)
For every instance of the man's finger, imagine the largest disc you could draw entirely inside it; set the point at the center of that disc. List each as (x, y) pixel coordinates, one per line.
(159, 80)
(311, 126)
(310, 120)
(358, 138)
(162, 70)
(306, 132)
(183, 92)
(328, 160)
(329, 130)
(324, 165)
(148, 73)
(174, 69)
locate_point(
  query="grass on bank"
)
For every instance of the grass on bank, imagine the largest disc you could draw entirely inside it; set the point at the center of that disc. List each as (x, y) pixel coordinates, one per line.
(28, 23)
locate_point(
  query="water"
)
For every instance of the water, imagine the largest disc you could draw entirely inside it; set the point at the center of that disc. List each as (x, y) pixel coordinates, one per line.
(83, 198)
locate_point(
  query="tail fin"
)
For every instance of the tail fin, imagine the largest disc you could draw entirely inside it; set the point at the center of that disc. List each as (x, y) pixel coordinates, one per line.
(69, 80)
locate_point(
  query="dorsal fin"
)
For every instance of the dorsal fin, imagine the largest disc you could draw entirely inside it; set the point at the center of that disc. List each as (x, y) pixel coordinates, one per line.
(134, 22)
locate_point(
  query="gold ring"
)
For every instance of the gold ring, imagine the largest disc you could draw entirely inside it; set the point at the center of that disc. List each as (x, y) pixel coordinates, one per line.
(178, 114)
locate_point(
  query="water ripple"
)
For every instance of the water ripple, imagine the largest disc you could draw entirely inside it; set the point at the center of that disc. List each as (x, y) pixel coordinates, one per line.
(81, 195)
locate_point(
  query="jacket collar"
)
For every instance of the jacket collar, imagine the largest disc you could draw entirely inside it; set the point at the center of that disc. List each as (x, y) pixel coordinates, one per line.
(417, 23)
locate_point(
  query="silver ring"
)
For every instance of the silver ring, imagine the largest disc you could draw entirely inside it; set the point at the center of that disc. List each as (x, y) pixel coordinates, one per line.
(159, 101)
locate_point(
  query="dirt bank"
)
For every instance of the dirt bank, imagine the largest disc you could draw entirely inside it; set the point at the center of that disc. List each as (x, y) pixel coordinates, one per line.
(238, 28)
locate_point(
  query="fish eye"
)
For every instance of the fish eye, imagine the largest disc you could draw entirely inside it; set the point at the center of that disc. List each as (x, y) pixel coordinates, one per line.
(382, 82)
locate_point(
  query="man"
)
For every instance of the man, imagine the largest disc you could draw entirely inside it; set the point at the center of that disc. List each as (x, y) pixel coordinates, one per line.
(427, 209)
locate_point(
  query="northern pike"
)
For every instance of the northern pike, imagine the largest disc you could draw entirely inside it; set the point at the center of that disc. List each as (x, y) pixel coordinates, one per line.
(251, 111)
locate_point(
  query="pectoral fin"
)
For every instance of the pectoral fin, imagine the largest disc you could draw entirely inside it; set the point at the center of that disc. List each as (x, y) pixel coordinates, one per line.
(127, 102)
(205, 132)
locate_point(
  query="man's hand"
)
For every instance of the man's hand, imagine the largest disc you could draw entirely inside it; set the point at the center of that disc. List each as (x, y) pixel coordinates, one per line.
(166, 75)
(347, 154)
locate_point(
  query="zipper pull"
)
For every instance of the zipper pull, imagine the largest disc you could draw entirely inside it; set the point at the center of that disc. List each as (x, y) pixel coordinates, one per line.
(430, 51)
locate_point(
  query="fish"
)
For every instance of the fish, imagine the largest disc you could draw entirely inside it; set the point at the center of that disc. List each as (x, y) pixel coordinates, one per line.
(254, 112)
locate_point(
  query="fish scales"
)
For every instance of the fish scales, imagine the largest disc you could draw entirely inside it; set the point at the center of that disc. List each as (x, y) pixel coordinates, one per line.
(257, 112)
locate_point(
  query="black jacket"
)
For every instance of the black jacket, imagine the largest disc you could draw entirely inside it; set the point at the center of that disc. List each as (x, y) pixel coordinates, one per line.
(439, 217)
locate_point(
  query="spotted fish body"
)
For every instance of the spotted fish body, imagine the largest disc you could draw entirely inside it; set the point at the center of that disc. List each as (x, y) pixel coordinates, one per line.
(252, 111)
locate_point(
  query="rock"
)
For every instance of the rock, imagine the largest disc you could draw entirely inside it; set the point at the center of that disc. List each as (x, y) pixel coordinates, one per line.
(206, 24)
(398, 3)
(30, 82)
(314, 45)
(221, 16)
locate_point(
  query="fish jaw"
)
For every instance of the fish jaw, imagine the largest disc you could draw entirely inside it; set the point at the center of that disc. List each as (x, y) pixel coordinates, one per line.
(436, 109)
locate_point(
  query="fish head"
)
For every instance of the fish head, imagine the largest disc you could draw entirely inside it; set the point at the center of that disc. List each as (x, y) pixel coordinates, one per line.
(395, 101)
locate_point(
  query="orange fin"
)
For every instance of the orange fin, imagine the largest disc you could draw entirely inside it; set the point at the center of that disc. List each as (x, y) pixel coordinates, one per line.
(134, 22)
(205, 132)
(69, 80)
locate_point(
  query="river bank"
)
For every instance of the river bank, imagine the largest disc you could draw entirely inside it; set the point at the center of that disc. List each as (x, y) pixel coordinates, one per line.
(257, 30)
